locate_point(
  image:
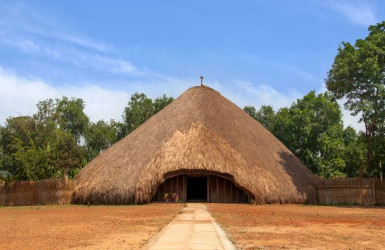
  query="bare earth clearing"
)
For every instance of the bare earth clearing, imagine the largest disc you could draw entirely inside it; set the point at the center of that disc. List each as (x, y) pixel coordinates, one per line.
(130, 227)
(301, 226)
(94, 227)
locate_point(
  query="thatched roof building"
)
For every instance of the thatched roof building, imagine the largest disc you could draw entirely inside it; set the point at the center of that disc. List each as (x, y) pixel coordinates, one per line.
(201, 146)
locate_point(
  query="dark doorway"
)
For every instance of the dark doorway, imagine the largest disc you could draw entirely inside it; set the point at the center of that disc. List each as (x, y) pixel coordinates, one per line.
(196, 188)
(200, 188)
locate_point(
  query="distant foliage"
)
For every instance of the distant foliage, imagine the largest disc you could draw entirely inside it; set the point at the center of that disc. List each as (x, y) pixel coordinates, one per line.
(312, 129)
(358, 76)
(98, 137)
(59, 139)
(139, 109)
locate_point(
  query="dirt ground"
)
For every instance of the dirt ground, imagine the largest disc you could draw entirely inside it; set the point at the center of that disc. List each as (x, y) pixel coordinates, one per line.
(302, 226)
(130, 227)
(94, 227)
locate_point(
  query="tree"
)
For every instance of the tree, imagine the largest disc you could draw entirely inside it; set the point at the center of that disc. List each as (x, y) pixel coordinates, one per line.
(68, 155)
(71, 116)
(66, 113)
(99, 136)
(358, 75)
(312, 129)
(161, 102)
(46, 111)
(47, 145)
(139, 109)
(43, 146)
(265, 115)
(34, 162)
(355, 151)
(18, 134)
(251, 111)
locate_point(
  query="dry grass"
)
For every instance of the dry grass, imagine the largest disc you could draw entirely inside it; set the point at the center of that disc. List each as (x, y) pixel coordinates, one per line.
(199, 130)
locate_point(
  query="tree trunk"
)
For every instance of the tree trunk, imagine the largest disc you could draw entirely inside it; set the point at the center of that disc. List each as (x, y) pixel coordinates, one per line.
(362, 170)
(368, 161)
(369, 139)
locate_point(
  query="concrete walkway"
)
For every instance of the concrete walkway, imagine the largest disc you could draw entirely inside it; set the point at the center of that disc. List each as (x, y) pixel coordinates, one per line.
(194, 228)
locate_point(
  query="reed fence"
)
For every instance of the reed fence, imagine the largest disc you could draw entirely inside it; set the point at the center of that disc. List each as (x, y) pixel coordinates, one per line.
(41, 192)
(348, 191)
(380, 193)
(351, 191)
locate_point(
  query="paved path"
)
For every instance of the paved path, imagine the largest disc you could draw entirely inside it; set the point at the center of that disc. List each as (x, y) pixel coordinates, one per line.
(194, 228)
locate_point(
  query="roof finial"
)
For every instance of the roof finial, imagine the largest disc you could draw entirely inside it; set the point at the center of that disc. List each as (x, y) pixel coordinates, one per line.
(202, 77)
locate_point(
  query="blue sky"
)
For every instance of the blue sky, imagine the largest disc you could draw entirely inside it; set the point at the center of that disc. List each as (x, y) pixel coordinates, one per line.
(253, 52)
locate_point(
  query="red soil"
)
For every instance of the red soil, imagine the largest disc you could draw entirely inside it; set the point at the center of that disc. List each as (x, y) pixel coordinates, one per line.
(130, 227)
(94, 227)
(301, 226)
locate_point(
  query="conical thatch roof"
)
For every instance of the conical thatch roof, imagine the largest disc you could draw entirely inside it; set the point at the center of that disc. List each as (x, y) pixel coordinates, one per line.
(200, 130)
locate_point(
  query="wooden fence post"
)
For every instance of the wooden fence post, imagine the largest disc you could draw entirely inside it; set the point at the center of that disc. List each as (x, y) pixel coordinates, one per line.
(374, 193)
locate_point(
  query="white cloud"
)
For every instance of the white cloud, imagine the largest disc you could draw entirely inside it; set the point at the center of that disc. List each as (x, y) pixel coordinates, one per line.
(73, 39)
(24, 18)
(19, 96)
(73, 56)
(26, 46)
(358, 12)
(115, 65)
(246, 93)
(306, 75)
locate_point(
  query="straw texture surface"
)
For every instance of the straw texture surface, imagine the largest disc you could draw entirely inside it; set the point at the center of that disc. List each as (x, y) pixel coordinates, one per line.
(200, 130)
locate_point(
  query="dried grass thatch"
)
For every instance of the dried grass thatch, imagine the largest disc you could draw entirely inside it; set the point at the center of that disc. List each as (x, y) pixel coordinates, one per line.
(200, 130)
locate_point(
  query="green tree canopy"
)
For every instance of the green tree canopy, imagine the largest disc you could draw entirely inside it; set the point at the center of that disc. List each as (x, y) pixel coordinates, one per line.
(99, 136)
(312, 128)
(44, 145)
(138, 110)
(71, 116)
(265, 115)
(161, 102)
(358, 75)
(59, 139)
(251, 111)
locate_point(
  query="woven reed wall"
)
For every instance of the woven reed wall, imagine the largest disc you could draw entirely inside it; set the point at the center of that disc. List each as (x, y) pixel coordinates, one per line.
(380, 193)
(42, 192)
(351, 191)
(59, 191)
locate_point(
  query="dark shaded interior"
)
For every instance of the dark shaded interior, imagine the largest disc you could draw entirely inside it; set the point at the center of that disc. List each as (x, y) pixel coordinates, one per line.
(202, 187)
(197, 189)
